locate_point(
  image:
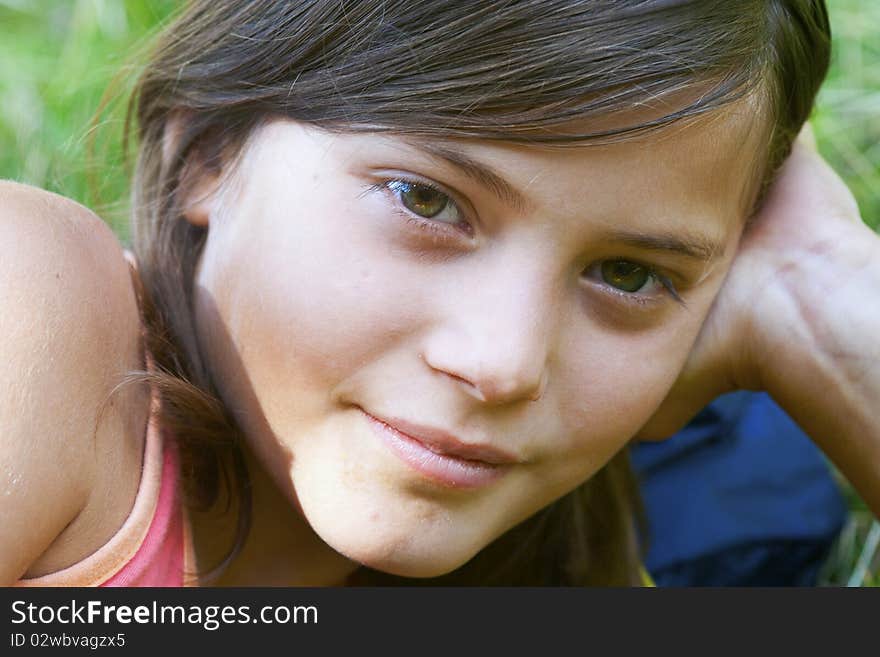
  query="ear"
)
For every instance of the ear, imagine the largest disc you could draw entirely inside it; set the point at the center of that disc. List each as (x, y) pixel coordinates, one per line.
(199, 189)
(199, 178)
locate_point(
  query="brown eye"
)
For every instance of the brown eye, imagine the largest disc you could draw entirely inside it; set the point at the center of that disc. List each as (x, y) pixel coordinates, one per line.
(625, 275)
(424, 201)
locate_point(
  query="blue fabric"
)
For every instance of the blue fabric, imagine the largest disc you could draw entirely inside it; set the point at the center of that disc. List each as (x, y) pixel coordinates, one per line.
(740, 496)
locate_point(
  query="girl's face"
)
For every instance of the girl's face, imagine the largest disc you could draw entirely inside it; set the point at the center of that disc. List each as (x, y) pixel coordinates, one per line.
(428, 341)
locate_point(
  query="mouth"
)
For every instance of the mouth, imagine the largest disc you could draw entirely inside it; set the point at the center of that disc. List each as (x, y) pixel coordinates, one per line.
(441, 457)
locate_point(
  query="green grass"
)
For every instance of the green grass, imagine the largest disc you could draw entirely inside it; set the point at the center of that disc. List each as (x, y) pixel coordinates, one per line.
(847, 118)
(847, 126)
(57, 58)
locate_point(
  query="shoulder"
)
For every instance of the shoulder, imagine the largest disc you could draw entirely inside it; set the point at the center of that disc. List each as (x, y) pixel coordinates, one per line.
(68, 331)
(27, 212)
(62, 272)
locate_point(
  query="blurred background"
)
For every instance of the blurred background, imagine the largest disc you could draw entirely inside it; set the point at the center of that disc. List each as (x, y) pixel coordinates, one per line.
(58, 58)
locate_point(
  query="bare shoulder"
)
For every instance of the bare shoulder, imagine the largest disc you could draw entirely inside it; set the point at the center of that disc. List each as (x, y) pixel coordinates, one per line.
(68, 330)
(34, 222)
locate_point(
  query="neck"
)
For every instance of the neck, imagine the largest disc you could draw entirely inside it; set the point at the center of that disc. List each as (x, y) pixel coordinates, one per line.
(281, 549)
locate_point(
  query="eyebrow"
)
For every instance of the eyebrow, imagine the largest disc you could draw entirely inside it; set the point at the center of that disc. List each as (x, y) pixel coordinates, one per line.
(478, 171)
(697, 247)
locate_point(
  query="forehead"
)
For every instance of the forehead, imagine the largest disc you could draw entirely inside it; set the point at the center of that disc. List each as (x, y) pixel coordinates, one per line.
(695, 177)
(711, 159)
(709, 165)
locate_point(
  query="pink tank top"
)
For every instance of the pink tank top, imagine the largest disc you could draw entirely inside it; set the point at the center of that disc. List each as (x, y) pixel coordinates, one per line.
(152, 547)
(149, 547)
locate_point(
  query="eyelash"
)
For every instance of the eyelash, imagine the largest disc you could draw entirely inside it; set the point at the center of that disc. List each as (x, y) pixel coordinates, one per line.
(437, 228)
(441, 230)
(640, 300)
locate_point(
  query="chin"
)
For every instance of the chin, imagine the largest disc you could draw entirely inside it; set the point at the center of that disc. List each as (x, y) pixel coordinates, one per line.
(417, 566)
(401, 546)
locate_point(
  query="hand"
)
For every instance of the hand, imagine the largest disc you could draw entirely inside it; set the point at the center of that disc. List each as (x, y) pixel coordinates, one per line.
(808, 224)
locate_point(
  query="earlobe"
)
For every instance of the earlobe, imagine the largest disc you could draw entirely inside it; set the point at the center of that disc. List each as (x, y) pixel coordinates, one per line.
(197, 183)
(198, 196)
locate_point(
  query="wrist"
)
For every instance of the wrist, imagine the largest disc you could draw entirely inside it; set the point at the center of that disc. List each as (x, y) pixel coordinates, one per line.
(828, 299)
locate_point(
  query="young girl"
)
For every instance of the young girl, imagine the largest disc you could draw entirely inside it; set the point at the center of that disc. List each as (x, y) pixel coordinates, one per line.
(406, 279)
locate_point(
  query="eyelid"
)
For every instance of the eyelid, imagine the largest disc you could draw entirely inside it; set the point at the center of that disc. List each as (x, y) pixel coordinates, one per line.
(461, 201)
(668, 288)
(463, 229)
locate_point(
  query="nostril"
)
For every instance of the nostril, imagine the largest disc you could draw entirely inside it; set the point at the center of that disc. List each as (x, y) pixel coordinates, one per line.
(471, 388)
(494, 391)
(540, 388)
(495, 388)
(474, 390)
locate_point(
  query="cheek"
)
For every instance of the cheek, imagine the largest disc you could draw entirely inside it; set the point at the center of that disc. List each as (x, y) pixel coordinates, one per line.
(614, 382)
(311, 299)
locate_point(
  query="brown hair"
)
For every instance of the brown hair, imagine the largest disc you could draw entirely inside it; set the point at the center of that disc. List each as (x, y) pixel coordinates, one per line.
(520, 70)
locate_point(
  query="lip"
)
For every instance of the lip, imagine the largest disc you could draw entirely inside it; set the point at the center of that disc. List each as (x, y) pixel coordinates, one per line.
(440, 456)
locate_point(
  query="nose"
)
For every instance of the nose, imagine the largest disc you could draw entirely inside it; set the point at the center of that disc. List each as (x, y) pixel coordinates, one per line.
(495, 346)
